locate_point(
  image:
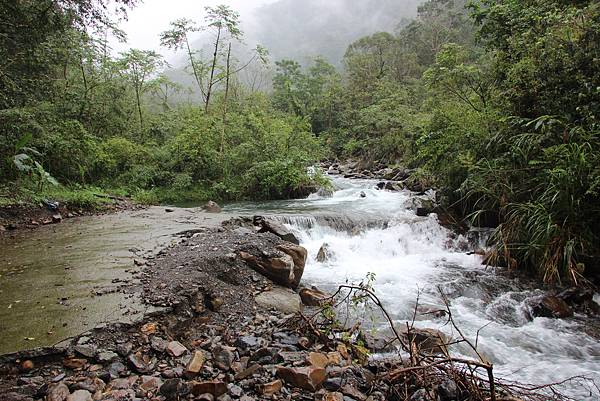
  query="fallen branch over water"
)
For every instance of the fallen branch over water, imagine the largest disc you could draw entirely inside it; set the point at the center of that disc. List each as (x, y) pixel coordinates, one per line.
(425, 375)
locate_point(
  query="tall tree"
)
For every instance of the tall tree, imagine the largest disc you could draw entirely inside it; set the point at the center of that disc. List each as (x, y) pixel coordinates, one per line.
(139, 65)
(225, 25)
(178, 38)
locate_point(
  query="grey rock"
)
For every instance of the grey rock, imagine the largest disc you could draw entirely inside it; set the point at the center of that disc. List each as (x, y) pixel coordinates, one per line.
(57, 392)
(281, 299)
(235, 390)
(266, 225)
(222, 357)
(419, 395)
(124, 349)
(80, 395)
(211, 207)
(116, 369)
(248, 342)
(107, 356)
(89, 351)
(159, 344)
(138, 363)
(448, 390)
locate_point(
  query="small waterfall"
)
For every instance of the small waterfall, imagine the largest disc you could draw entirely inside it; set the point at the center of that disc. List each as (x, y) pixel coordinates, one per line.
(366, 230)
(337, 223)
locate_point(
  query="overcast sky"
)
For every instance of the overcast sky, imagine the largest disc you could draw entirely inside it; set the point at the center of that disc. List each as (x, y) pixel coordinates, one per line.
(150, 18)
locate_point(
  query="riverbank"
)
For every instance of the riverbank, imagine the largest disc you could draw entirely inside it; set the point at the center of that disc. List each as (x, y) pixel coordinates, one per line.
(24, 209)
(206, 280)
(223, 331)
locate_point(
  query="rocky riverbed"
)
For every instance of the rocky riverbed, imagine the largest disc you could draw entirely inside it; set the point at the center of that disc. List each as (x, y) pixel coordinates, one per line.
(231, 319)
(225, 332)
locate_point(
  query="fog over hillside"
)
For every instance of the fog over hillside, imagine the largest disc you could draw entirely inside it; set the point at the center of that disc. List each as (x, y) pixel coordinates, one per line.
(302, 29)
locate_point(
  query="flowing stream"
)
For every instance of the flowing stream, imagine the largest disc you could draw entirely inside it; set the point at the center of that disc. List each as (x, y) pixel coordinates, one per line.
(372, 231)
(48, 277)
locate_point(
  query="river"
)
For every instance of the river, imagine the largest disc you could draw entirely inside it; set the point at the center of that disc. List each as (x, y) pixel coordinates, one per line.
(47, 277)
(414, 257)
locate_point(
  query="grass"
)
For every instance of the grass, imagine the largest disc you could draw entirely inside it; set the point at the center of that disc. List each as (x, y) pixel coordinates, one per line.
(75, 197)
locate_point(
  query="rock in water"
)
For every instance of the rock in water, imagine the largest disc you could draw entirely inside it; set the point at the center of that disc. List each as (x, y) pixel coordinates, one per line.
(313, 297)
(429, 341)
(268, 226)
(325, 253)
(212, 207)
(551, 306)
(282, 299)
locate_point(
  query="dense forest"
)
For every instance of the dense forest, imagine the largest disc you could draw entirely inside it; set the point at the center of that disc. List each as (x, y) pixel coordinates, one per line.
(495, 103)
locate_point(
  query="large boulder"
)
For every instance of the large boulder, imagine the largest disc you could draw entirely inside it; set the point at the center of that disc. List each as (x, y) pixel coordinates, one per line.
(281, 299)
(266, 225)
(211, 207)
(283, 266)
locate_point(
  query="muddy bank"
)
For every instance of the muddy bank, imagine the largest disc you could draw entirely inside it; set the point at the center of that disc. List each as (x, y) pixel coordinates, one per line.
(30, 216)
(60, 280)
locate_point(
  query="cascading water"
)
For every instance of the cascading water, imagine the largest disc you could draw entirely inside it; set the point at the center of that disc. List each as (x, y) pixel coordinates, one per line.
(372, 231)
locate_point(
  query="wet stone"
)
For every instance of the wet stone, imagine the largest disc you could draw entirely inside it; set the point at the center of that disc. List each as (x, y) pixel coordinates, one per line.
(333, 384)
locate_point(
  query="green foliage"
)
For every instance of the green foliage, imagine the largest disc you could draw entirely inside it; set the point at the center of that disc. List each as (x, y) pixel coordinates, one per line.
(506, 126)
(312, 94)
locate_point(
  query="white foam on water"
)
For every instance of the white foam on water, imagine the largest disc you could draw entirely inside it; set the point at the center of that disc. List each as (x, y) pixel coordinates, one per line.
(415, 255)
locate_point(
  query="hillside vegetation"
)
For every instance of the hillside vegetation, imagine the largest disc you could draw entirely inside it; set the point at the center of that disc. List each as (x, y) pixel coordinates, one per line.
(493, 102)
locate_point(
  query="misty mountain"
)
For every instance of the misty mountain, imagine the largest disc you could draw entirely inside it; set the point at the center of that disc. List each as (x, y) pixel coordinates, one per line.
(303, 29)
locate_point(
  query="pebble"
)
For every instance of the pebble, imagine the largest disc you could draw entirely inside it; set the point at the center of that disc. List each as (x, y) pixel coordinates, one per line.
(80, 395)
(176, 349)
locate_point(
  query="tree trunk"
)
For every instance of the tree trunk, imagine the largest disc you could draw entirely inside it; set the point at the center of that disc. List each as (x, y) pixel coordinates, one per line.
(139, 107)
(225, 100)
(212, 69)
(194, 69)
